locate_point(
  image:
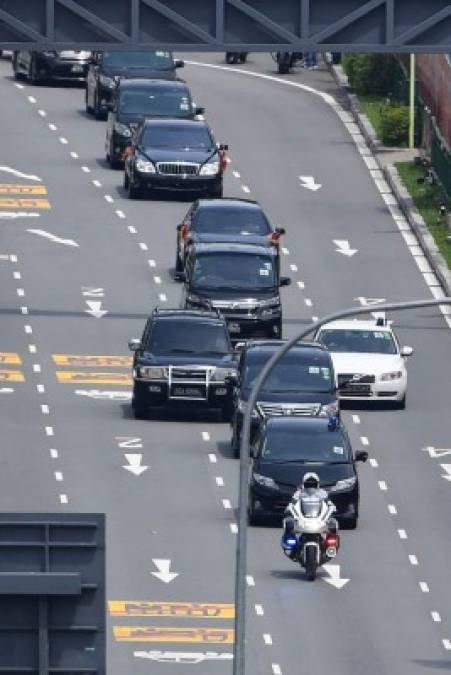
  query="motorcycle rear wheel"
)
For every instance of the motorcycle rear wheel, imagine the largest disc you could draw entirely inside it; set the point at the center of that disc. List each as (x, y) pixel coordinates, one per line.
(310, 563)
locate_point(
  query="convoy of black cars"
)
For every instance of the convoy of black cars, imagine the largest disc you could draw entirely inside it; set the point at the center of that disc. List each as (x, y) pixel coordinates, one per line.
(207, 354)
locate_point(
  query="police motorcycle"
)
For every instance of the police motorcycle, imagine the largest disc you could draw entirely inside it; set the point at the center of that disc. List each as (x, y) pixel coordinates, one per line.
(311, 536)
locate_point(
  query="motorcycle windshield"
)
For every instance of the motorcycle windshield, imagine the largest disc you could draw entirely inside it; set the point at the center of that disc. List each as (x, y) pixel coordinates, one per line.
(311, 508)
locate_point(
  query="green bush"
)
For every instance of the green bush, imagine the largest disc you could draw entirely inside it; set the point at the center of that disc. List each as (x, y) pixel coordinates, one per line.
(394, 125)
(371, 73)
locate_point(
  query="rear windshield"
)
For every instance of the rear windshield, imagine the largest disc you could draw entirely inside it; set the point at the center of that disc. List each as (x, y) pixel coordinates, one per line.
(231, 221)
(164, 102)
(359, 341)
(296, 372)
(153, 60)
(318, 445)
(177, 138)
(188, 337)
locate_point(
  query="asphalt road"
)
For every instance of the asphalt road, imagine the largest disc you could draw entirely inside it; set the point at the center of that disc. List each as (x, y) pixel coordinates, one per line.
(64, 441)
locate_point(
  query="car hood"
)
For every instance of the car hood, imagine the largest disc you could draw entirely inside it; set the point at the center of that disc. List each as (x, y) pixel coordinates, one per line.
(290, 475)
(223, 237)
(226, 296)
(179, 155)
(291, 397)
(132, 72)
(371, 364)
(226, 361)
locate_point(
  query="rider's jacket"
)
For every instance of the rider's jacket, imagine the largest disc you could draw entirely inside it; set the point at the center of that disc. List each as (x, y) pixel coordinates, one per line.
(309, 498)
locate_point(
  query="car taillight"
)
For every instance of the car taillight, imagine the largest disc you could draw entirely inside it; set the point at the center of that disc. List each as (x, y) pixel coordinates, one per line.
(333, 541)
(274, 237)
(223, 161)
(184, 231)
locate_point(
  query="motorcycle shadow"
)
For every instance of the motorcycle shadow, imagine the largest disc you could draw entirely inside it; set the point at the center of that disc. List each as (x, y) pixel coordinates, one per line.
(288, 575)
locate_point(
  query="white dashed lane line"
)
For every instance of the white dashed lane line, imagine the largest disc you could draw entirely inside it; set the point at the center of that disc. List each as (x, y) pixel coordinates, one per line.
(356, 419)
(132, 229)
(233, 528)
(49, 431)
(245, 189)
(219, 481)
(308, 302)
(97, 183)
(423, 587)
(157, 280)
(45, 409)
(226, 503)
(143, 246)
(58, 476)
(74, 155)
(413, 560)
(373, 462)
(40, 388)
(364, 440)
(392, 509)
(205, 436)
(436, 617)
(28, 329)
(402, 534)
(250, 580)
(52, 126)
(63, 140)
(36, 368)
(267, 639)
(120, 214)
(259, 610)
(53, 453)
(108, 198)
(382, 485)
(162, 297)
(276, 669)
(212, 458)
(86, 169)
(64, 499)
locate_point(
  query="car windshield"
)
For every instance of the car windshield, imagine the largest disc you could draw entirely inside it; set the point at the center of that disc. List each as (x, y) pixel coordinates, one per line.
(233, 271)
(178, 138)
(296, 372)
(188, 337)
(357, 340)
(150, 60)
(159, 102)
(306, 445)
(230, 221)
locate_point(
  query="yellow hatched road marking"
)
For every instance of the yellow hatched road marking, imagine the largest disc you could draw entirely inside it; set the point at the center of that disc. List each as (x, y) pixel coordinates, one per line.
(167, 634)
(10, 358)
(201, 610)
(11, 376)
(9, 189)
(24, 204)
(68, 377)
(92, 360)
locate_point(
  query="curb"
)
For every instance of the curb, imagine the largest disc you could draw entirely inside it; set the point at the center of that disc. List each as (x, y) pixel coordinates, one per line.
(405, 201)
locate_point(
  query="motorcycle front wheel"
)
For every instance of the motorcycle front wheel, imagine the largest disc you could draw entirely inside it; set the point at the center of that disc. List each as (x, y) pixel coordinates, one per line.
(310, 563)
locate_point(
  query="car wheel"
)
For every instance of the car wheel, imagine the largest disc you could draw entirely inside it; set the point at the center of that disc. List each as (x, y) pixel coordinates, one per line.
(178, 261)
(401, 405)
(140, 412)
(33, 74)
(230, 57)
(253, 518)
(98, 112)
(235, 442)
(133, 191)
(112, 161)
(126, 181)
(17, 75)
(243, 57)
(88, 108)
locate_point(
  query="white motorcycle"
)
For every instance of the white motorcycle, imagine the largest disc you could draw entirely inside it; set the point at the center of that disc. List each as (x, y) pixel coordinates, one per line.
(311, 534)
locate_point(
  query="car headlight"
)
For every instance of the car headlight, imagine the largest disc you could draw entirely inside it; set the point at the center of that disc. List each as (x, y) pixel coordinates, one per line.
(196, 301)
(144, 165)
(330, 410)
(106, 81)
(122, 129)
(394, 375)
(220, 374)
(345, 484)
(209, 169)
(152, 372)
(242, 407)
(266, 481)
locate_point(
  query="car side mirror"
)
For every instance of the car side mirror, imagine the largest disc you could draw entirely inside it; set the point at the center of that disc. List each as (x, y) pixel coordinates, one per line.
(361, 456)
(285, 281)
(134, 345)
(223, 147)
(199, 110)
(280, 230)
(179, 63)
(406, 351)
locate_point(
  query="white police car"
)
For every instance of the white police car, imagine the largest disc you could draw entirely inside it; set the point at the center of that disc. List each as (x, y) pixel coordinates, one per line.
(368, 361)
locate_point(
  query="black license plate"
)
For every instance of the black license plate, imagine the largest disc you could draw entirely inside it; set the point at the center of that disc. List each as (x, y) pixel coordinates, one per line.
(195, 392)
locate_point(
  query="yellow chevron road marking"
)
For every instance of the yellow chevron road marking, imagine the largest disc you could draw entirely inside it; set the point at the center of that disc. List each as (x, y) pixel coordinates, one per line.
(102, 361)
(9, 189)
(11, 376)
(71, 377)
(167, 634)
(179, 609)
(10, 358)
(24, 204)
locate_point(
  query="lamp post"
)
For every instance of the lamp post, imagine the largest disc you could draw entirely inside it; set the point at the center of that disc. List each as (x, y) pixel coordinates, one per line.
(412, 103)
(241, 550)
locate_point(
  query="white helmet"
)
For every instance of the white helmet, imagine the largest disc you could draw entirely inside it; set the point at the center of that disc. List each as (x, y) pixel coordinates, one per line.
(310, 480)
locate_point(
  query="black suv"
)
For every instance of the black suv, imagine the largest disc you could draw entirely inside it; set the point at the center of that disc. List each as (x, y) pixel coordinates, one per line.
(135, 99)
(287, 448)
(184, 358)
(224, 220)
(301, 385)
(176, 156)
(105, 67)
(242, 281)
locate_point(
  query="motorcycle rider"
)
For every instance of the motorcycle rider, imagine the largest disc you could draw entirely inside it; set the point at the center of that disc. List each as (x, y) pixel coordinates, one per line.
(309, 492)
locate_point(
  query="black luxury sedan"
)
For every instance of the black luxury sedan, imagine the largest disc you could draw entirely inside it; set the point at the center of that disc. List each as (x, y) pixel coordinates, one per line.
(105, 67)
(242, 281)
(184, 358)
(224, 220)
(301, 385)
(50, 65)
(286, 448)
(176, 156)
(136, 99)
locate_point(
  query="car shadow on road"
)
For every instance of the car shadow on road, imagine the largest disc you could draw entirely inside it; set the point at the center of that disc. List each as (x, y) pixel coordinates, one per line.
(433, 664)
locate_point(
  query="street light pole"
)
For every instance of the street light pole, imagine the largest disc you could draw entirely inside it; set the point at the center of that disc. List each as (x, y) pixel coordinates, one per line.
(241, 550)
(412, 103)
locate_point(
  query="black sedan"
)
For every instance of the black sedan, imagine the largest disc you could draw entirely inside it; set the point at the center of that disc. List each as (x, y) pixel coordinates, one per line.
(224, 220)
(50, 65)
(174, 155)
(286, 448)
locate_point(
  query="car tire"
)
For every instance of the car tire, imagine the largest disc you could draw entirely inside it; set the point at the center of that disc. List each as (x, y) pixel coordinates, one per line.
(98, 112)
(231, 58)
(133, 191)
(178, 261)
(89, 109)
(243, 57)
(112, 161)
(253, 519)
(33, 75)
(126, 181)
(235, 442)
(140, 412)
(17, 75)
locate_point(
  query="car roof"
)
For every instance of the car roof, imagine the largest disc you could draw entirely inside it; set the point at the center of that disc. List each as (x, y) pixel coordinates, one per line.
(232, 247)
(300, 424)
(357, 324)
(183, 124)
(229, 203)
(192, 314)
(270, 346)
(154, 83)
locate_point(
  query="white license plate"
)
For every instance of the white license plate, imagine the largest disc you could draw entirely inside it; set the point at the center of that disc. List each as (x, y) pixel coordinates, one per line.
(234, 327)
(77, 69)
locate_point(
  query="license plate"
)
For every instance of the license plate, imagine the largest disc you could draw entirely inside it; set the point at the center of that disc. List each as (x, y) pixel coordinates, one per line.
(361, 388)
(77, 69)
(188, 391)
(234, 327)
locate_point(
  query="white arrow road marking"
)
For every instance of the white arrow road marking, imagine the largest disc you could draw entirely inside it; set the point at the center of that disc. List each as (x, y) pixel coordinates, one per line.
(309, 183)
(163, 567)
(134, 464)
(19, 174)
(19, 214)
(334, 576)
(54, 238)
(6, 390)
(344, 247)
(105, 395)
(435, 453)
(184, 657)
(447, 468)
(95, 309)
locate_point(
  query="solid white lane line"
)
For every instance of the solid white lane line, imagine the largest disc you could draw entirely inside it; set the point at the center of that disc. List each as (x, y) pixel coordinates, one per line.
(373, 462)
(205, 436)
(63, 140)
(40, 388)
(163, 297)
(308, 302)
(436, 617)
(250, 580)
(45, 409)
(233, 528)
(301, 285)
(58, 476)
(17, 275)
(36, 368)
(54, 453)
(108, 198)
(152, 263)
(226, 503)
(143, 246)
(64, 499)
(413, 560)
(28, 329)
(132, 229)
(32, 349)
(74, 155)
(20, 292)
(267, 639)
(120, 214)
(259, 610)
(86, 169)
(276, 669)
(97, 183)
(392, 509)
(356, 419)
(236, 174)
(49, 431)
(245, 189)
(402, 534)
(157, 280)
(219, 481)
(212, 457)
(382, 485)
(364, 440)
(424, 587)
